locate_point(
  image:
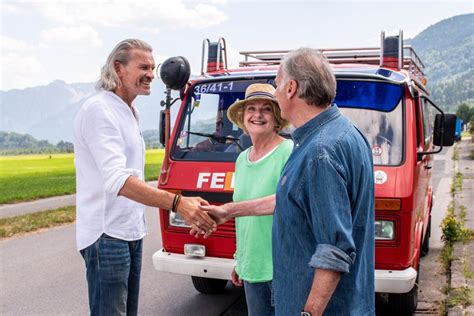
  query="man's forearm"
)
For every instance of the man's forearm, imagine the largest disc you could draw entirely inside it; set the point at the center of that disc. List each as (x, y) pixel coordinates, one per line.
(256, 207)
(139, 191)
(324, 285)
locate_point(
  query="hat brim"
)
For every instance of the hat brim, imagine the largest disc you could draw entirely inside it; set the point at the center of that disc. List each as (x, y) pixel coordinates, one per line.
(233, 112)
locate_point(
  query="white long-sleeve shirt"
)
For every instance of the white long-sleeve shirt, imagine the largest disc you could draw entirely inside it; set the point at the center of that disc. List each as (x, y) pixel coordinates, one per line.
(108, 148)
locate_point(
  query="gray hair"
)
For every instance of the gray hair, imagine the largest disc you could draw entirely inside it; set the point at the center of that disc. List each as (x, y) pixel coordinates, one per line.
(316, 80)
(109, 79)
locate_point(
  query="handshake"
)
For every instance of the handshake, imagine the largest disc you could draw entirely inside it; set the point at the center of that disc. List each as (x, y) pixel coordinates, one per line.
(204, 218)
(201, 216)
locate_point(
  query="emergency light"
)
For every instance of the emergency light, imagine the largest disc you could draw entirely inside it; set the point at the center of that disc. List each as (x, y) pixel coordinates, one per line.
(391, 50)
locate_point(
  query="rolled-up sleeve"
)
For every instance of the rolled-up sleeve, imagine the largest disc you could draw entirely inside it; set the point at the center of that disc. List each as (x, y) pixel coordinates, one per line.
(330, 216)
(102, 135)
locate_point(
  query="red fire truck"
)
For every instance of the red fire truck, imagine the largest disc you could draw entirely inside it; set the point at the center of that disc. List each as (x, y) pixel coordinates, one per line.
(382, 90)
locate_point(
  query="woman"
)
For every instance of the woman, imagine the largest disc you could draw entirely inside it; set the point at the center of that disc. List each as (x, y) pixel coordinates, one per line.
(257, 171)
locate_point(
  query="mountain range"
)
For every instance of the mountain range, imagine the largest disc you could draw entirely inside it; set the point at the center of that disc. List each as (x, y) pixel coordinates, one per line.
(47, 112)
(446, 48)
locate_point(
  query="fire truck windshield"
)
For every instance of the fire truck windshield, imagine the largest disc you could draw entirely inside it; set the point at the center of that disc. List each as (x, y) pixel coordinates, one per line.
(376, 108)
(205, 133)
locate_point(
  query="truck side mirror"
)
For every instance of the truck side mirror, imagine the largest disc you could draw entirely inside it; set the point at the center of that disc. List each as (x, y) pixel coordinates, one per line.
(444, 130)
(175, 72)
(162, 127)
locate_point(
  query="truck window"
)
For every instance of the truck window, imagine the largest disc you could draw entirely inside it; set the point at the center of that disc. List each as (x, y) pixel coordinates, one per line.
(376, 108)
(427, 128)
(205, 133)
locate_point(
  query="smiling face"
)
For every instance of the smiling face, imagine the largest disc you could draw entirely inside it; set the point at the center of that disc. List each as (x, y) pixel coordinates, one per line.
(258, 117)
(137, 75)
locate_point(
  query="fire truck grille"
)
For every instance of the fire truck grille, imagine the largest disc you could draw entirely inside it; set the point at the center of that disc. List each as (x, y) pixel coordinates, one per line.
(217, 198)
(226, 229)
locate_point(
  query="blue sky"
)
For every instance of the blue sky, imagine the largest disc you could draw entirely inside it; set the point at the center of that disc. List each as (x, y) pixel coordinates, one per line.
(42, 41)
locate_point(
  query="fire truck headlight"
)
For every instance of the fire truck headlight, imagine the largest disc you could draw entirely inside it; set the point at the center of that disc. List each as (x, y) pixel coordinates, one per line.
(384, 230)
(194, 250)
(177, 221)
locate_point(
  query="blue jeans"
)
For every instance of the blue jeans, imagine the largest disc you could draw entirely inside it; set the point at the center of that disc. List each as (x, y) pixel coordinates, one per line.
(113, 275)
(259, 298)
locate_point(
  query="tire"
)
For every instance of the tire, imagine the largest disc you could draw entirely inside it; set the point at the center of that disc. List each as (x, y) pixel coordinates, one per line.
(425, 247)
(209, 286)
(398, 304)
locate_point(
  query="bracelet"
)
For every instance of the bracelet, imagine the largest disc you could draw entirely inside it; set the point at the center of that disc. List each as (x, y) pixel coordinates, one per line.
(176, 200)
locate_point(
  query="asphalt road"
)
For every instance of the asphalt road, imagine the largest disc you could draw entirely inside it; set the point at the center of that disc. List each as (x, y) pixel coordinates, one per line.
(43, 274)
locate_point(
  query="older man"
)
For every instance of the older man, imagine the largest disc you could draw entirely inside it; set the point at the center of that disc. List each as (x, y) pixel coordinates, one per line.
(111, 192)
(323, 231)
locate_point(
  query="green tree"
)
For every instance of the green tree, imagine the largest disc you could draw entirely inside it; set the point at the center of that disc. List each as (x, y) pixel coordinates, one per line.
(465, 111)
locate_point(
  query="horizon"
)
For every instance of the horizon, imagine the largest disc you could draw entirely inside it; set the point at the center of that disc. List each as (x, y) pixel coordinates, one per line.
(67, 41)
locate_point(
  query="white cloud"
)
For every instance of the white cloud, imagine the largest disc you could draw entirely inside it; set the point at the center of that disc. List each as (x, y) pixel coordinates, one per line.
(81, 35)
(9, 44)
(19, 67)
(144, 15)
(12, 8)
(21, 71)
(221, 2)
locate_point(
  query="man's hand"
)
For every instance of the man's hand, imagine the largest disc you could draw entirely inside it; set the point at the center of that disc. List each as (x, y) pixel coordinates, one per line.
(220, 214)
(235, 278)
(200, 221)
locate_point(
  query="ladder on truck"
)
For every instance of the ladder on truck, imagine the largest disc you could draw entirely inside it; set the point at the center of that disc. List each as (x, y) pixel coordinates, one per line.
(361, 55)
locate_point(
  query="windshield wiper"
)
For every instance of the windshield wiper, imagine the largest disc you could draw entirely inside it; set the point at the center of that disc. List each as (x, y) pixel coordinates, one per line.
(219, 139)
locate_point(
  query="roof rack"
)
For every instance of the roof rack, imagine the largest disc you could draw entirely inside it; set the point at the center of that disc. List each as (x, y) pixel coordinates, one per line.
(364, 55)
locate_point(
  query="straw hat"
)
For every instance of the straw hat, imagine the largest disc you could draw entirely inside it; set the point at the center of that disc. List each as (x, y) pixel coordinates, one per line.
(256, 91)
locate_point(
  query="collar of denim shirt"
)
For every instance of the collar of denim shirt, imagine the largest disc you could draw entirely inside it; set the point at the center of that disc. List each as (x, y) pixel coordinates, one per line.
(302, 132)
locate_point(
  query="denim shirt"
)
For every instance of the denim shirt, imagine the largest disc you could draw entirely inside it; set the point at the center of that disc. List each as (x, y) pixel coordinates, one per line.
(324, 217)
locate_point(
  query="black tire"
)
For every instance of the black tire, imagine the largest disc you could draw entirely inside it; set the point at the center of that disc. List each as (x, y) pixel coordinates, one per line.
(425, 247)
(209, 286)
(398, 304)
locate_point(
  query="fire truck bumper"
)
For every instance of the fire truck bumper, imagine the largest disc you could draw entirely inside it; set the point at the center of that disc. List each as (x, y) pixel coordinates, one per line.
(395, 281)
(207, 267)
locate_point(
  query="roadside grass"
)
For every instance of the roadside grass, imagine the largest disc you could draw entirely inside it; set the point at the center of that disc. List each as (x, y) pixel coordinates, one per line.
(11, 226)
(455, 152)
(153, 161)
(453, 231)
(460, 296)
(456, 185)
(31, 177)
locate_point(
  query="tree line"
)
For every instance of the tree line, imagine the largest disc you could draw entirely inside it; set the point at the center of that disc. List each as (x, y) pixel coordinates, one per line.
(12, 143)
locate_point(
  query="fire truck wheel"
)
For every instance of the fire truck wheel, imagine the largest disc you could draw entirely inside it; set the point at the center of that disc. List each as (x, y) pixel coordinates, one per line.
(209, 286)
(404, 304)
(425, 248)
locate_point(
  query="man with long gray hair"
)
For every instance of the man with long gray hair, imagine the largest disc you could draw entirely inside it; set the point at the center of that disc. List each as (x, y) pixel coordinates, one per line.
(111, 192)
(323, 222)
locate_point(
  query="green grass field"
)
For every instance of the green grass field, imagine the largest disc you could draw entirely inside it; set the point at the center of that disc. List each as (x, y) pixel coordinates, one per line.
(30, 177)
(11, 226)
